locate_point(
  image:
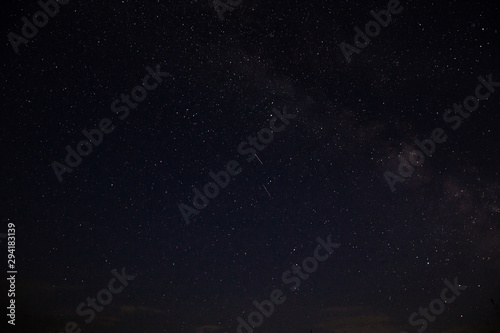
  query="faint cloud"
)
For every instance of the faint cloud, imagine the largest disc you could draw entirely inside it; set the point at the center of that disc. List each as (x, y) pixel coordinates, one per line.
(134, 309)
(108, 320)
(207, 328)
(355, 319)
(345, 309)
(359, 324)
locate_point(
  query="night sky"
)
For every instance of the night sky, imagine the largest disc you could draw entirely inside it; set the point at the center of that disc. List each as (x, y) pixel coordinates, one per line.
(304, 141)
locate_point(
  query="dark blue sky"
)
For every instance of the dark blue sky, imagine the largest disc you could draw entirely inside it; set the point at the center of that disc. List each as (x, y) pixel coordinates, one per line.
(323, 174)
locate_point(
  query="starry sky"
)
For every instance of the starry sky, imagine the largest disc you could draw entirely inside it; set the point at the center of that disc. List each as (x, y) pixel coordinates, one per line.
(322, 175)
